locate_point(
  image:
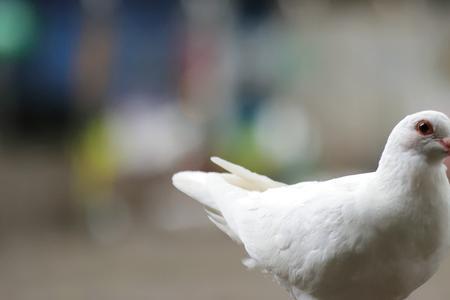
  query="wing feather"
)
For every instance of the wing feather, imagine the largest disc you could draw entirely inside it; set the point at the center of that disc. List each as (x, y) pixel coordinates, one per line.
(251, 180)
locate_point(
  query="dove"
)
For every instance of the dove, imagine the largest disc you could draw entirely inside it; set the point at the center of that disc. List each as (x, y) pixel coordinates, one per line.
(371, 236)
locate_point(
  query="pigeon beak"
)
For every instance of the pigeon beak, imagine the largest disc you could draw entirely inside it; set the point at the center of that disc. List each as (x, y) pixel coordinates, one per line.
(446, 143)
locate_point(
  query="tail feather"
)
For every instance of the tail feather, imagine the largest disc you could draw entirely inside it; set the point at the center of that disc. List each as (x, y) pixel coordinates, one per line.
(221, 223)
(209, 189)
(194, 184)
(218, 192)
(248, 179)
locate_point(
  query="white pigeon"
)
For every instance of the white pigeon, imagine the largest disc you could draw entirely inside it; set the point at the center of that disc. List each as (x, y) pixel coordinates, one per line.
(373, 236)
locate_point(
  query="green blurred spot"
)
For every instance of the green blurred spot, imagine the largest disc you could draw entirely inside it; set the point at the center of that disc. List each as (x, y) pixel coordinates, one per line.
(94, 161)
(17, 27)
(242, 149)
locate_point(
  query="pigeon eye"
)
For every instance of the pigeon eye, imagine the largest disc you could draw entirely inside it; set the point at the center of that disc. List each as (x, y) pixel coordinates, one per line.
(424, 127)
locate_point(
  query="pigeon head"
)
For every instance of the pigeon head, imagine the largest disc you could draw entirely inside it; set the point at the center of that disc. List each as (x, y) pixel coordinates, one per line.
(425, 134)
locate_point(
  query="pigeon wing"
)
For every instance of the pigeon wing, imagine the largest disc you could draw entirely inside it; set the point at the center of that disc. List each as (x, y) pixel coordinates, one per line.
(295, 231)
(248, 180)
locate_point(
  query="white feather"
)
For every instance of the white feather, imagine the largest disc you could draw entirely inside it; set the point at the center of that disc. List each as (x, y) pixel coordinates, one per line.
(370, 236)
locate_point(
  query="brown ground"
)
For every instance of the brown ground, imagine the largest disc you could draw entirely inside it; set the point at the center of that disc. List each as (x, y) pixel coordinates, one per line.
(195, 264)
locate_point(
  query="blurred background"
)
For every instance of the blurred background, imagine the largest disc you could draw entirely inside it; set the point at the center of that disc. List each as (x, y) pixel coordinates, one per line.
(101, 101)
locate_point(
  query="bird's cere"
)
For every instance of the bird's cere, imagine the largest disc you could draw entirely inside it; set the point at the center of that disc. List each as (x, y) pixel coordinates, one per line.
(371, 236)
(446, 143)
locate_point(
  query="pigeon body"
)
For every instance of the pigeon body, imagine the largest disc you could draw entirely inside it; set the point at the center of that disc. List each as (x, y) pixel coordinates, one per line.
(372, 236)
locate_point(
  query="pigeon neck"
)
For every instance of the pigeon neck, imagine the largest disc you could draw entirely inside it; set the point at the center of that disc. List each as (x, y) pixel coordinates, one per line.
(408, 171)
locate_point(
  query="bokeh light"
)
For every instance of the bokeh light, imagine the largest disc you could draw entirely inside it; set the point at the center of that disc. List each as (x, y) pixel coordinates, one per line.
(101, 101)
(18, 25)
